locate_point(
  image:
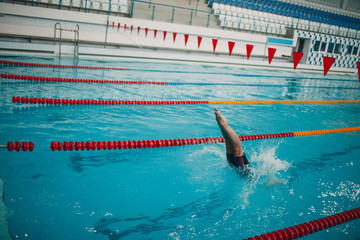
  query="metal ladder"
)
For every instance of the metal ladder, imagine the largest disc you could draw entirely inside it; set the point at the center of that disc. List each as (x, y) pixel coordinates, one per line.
(57, 26)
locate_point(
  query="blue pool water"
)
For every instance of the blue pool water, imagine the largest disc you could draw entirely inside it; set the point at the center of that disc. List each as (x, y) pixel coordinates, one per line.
(186, 192)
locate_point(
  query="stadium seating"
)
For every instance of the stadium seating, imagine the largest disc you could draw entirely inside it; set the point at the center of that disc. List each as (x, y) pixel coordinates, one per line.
(117, 6)
(279, 15)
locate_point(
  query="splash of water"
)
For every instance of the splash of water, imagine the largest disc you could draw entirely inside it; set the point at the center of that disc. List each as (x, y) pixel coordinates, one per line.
(268, 166)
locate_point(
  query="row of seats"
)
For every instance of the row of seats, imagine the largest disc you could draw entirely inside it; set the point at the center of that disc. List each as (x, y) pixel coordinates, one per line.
(291, 10)
(235, 17)
(325, 5)
(119, 6)
(252, 25)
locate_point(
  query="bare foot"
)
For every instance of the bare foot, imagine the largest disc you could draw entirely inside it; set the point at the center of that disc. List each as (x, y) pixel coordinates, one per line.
(221, 120)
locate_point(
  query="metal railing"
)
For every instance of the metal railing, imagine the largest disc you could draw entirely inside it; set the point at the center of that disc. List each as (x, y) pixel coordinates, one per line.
(57, 27)
(108, 6)
(170, 13)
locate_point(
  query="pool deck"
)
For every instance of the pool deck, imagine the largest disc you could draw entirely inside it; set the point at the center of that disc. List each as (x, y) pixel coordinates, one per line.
(31, 30)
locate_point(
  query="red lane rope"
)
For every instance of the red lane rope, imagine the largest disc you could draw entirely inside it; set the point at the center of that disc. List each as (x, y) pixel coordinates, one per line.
(109, 145)
(51, 101)
(25, 64)
(56, 79)
(66, 30)
(17, 146)
(307, 228)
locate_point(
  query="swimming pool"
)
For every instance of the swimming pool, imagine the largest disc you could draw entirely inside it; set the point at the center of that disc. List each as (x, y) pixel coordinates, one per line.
(186, 192)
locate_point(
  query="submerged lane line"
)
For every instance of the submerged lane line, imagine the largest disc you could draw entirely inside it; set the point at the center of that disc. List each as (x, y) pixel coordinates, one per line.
(26, 64)
(74, 80)
(243, 75)
(56, 101)
(133, 144)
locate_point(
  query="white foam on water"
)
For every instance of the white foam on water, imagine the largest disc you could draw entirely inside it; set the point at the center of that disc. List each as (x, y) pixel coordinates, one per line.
(268, 166)
(266, 171)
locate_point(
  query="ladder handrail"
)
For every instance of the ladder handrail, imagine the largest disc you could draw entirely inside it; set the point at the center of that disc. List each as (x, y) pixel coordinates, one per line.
(55, 36)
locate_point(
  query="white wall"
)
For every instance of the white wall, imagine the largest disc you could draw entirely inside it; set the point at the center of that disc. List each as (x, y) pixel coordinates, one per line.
(18, 20)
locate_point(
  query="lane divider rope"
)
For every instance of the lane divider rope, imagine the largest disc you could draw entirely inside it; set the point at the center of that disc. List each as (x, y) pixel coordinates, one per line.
(59, 79)
(55, 101)
(307, 228)
(75, 80)
(104, 145)
(17, 146)
(133, 144)
(25, 64)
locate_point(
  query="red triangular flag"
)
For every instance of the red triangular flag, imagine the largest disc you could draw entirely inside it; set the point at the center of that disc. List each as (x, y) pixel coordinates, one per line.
(271, 53)
(125, 27)
(132, 27)
(231, 46)
(174, 36)
(146, 31)
(199, 41)
(165, 35)
(155, 32)
(186, 38)
(138, 30)
(297, 57)
(359, 70)
(249, 48)
(118, 26)
(328, 62)
(214, 41)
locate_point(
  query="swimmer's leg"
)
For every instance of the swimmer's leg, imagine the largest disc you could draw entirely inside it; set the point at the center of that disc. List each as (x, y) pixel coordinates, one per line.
(232, 141)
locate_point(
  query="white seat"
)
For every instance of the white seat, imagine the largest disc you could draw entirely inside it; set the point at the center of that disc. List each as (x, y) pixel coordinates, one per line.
(124, 9)
(234, 18)
(114, 6)
(222, 23)
(239, 10)
(236, 25)
(228, 23)
(104, 5)
(55, 2)
(222, 17)
(76, 3)
(263, 27)
(66, 3)
(222, 6)
(95, 5)
(257, 26)
(282, 30)
(44, 1)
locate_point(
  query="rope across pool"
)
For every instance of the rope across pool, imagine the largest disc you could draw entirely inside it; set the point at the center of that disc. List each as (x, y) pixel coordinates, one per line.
(56, 101)
(134, 144)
